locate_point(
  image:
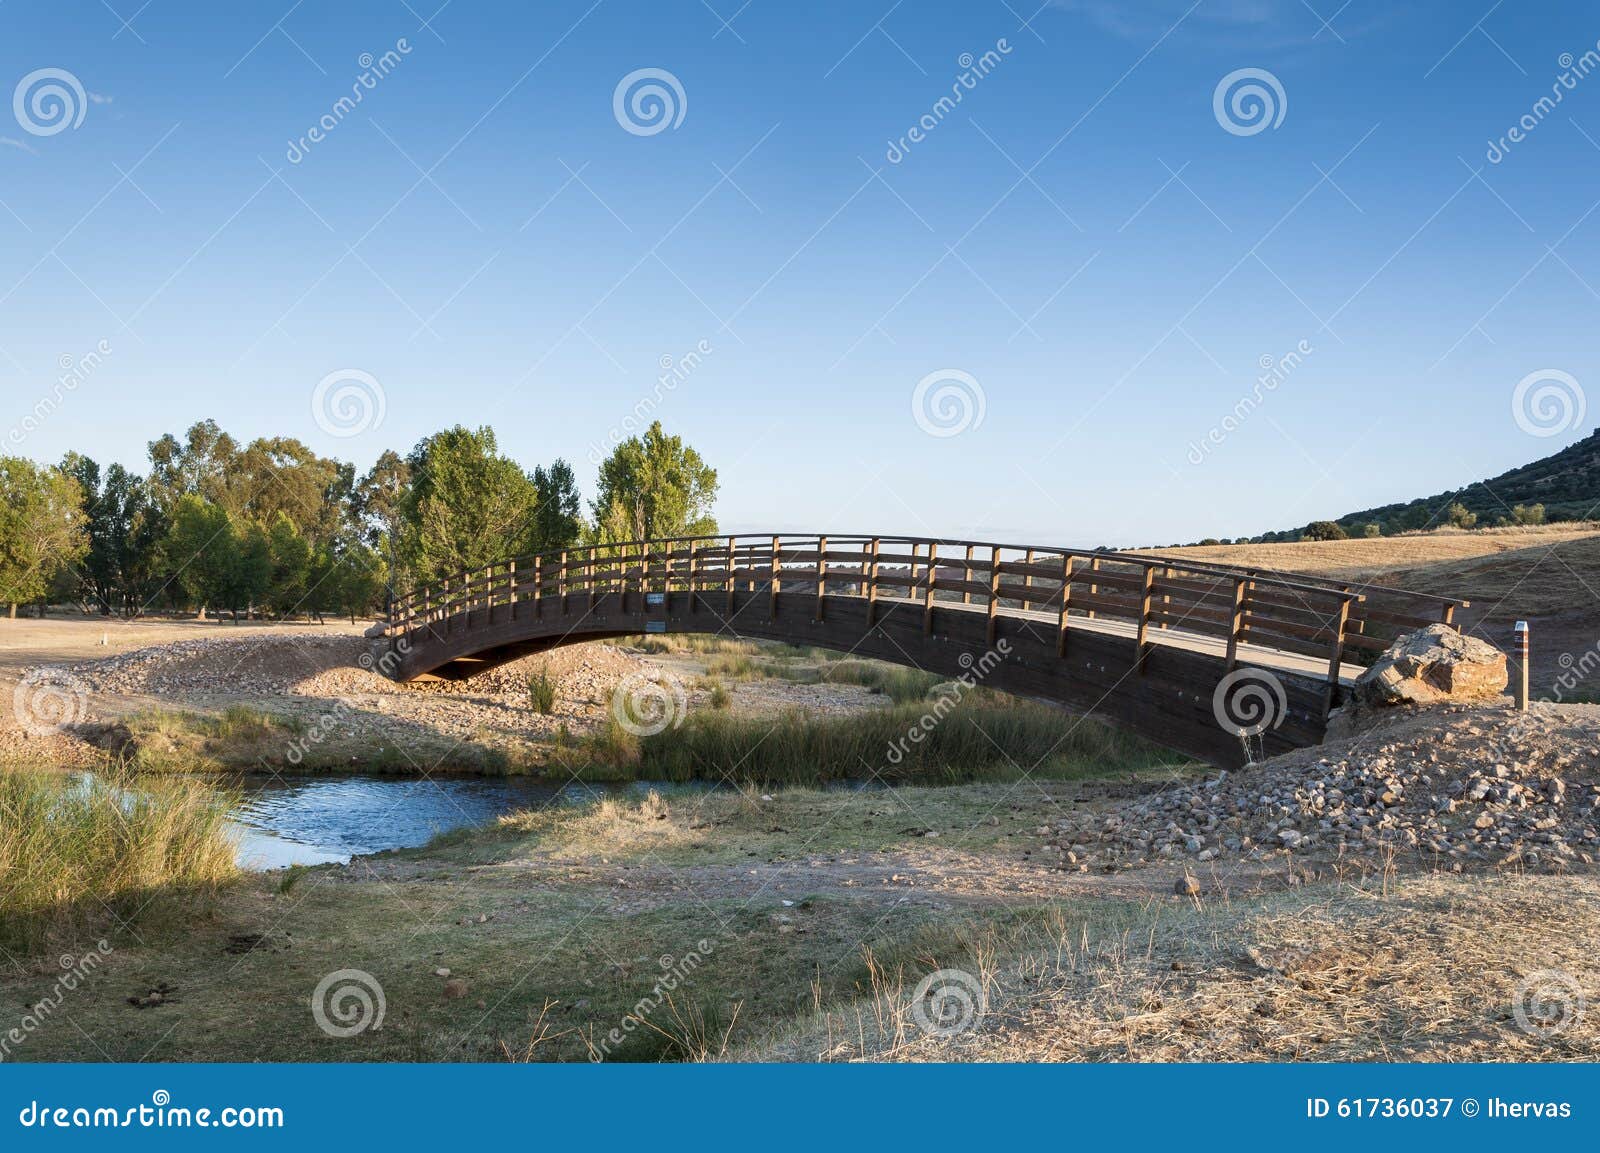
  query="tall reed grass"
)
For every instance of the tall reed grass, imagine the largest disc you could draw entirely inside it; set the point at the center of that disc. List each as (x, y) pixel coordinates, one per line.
(79, 853)
(973, 739)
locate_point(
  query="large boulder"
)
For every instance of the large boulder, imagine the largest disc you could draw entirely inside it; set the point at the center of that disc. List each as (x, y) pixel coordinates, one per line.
(1433, 664)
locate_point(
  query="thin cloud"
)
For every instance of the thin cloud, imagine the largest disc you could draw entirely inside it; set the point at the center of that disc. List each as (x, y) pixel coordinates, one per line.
(1254, 24)
(100, 98)
(20, 145)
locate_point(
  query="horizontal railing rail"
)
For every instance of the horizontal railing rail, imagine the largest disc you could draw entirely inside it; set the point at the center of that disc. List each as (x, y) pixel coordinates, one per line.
(1243, 608)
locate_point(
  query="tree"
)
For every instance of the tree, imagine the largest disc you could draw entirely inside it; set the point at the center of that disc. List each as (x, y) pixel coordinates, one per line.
(42, 529)
(1323, 530)
(1459, 515)
(199, 465)
(377, 496)
(1371, 529)
(289, 557)
(202, 551)
(654, 486)
(467, 506)
(558, 520)
(124, 528)
(1528, 514)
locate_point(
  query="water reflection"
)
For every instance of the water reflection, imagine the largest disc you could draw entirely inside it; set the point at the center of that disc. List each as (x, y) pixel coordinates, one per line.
(317, 820)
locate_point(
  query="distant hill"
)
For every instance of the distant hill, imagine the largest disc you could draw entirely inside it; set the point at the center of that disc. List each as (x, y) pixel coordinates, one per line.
(1566, 483)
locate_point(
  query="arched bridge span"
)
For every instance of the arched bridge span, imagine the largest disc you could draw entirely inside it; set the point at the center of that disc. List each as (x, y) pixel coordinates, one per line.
(1177, 652)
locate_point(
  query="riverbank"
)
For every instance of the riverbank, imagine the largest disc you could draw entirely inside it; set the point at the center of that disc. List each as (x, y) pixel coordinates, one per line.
(799, 924)
(499, 948)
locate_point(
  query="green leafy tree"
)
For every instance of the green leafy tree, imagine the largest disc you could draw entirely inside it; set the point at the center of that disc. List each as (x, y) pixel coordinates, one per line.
(467, 506)
(558, 519)
(202, 552)
(1459, 515)
(1528, 514)
(654, 486)
(42, 529)
(1323, 530)
(290, 559)
(251, 579)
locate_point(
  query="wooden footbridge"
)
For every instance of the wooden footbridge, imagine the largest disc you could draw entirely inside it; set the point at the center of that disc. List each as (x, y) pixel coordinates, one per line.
(1207, 659)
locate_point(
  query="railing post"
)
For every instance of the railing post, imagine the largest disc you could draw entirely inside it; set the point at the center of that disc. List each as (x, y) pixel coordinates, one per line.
(563, 582)
(1027, 580)
(1235, 622)
(728, 576)
(588, 573)
(511, 576)
(1166, 599)
(872, 584)
(772, 599)
(1145, 597)
(966, 576)
(427, 608)
(927, 595)
(694, 570)
(1066, 599)
(994, 590)
(822, 572)
(538, 587)
(1336, 653)
(1094, 589)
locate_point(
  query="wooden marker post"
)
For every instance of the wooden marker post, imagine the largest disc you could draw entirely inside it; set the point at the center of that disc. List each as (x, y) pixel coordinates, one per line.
(1520, 647)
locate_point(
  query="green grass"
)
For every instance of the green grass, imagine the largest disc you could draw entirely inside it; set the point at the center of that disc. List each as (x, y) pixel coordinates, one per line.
(82, 853)
(932, 742)
(542, 692)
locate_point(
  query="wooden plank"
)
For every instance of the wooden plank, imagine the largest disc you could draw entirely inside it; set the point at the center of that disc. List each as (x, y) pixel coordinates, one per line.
(822, 574)
(729, 580)
(927, 598)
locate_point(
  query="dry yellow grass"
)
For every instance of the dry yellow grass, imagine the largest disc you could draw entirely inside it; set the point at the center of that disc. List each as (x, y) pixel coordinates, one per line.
(1525, 571)
(1431, 968)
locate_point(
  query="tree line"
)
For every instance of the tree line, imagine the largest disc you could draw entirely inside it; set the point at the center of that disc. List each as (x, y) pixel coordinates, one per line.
(270, 527)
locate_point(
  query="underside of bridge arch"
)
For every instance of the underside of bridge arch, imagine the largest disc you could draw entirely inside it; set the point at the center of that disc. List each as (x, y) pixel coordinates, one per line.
(1161, 692)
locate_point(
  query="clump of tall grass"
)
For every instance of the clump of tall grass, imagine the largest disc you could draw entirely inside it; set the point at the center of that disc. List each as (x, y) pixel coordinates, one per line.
(960, 741)
(79, 853)
(541, 692)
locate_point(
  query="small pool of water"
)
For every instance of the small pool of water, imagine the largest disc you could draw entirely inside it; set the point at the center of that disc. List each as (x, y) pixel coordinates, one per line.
(318, 820)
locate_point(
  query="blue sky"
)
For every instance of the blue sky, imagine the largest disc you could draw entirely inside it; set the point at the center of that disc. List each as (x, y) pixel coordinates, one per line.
(1082, 238)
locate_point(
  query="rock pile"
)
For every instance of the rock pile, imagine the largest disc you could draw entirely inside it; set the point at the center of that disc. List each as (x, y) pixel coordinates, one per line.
(1455, 783)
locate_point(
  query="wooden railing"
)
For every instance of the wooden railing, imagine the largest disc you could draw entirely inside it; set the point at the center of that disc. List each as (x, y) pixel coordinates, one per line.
(1243, 608)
